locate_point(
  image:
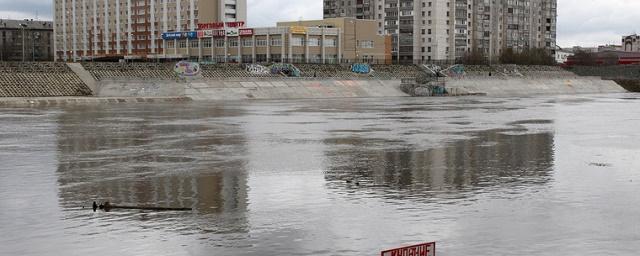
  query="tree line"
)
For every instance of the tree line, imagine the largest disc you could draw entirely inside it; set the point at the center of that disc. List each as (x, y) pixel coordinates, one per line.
(530, 56)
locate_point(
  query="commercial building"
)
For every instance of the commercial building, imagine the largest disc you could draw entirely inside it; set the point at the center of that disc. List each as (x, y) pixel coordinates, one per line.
(424, 30)
(89, 29)
(631, 43)
(320, 41)
(26, 40)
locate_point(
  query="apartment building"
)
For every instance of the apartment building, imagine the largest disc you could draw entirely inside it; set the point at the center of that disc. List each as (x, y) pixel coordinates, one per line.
(90, 29)
(427, 30)
(26, 40)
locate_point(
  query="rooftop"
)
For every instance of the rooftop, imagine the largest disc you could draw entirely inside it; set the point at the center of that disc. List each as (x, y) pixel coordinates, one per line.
(31, 24)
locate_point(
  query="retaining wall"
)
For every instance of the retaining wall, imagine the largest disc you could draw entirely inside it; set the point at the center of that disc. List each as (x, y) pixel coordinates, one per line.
(292, 89)
(513, 86)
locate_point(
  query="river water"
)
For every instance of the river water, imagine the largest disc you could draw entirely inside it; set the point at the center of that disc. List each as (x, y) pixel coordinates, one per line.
(480, 176)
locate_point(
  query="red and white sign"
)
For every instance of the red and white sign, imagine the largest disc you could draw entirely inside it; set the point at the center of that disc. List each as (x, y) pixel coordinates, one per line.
(205, 33)
(427, 249)
(245, 31)
(220, 25)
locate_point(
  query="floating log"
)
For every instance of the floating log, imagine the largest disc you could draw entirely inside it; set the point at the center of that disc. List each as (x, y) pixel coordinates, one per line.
(108, 207)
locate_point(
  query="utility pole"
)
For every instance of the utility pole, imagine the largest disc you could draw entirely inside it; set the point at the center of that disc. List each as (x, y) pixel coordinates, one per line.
(22, 26)
(398, 36)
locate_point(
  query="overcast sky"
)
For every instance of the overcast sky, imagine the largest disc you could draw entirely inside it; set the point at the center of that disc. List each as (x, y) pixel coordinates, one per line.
(580, 22)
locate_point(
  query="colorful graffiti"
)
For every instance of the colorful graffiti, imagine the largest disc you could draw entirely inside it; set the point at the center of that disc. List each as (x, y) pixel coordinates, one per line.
(361, 68)
(285, 69)
(186, 68)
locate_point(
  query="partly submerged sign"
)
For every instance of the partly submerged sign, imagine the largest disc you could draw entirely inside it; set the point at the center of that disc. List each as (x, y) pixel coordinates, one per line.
(186, 68)
(426, 249)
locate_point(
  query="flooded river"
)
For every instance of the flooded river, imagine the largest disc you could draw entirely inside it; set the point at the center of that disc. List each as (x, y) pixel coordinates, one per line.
(481, 176)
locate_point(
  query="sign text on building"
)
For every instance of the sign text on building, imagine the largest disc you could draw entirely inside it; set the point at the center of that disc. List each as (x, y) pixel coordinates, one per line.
(298, 30)
(426, 249)
(179, 35)
(220, 25)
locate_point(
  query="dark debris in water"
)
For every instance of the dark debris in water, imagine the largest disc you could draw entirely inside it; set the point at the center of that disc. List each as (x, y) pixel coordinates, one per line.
(600, 164)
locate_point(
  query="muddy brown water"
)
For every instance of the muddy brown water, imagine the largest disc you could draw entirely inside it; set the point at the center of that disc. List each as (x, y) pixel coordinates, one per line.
(533, 176)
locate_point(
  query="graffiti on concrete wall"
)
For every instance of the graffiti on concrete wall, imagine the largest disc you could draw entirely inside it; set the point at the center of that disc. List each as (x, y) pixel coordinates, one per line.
(361, 68)
(285, 69)
(256, 69)
(186, 68)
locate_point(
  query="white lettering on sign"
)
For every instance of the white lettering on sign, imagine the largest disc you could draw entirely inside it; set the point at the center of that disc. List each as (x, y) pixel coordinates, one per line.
(426, 249)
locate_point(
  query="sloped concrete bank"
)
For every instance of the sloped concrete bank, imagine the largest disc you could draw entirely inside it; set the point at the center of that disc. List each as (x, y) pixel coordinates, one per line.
(523, 86)
(70, 101)
(219, 90)
(292, 89)
(632, 85)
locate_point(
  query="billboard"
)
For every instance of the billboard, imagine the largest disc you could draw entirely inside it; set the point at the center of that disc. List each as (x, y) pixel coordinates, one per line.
(426, 249)
(245, 31)
(205, 33)
(298, 30)
(179, 35)
(232, 32)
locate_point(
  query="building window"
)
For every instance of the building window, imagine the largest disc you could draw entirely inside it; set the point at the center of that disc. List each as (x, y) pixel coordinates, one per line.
(206, 43)
(220, 43)
(170, 44)
(276, 42)
(366, 44)
(313, 42)
(297, 41)
(330, 42)
(195, 44)
(261, 42)
(182, 44)
(233, 42)
(261, 57)
(297, 58)
(247, 42)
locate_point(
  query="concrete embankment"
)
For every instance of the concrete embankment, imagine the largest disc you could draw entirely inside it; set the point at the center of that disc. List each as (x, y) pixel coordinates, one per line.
(525, 86)
(70, 101)
(145, 82)
(293, 89)
(632, 85)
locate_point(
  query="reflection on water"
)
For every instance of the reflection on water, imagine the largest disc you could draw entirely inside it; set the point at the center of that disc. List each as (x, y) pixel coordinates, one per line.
(492, 158)
(480, 176)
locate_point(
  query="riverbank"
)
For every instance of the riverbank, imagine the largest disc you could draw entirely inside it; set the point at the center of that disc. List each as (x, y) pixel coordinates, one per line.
(143, 82)
(70, 101)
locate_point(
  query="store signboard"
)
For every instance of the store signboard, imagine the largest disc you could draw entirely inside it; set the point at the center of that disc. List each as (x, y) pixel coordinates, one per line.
(180, 35)
(426, 249)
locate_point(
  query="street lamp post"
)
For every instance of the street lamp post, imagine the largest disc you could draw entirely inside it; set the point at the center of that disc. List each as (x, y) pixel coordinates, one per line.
(23, 26)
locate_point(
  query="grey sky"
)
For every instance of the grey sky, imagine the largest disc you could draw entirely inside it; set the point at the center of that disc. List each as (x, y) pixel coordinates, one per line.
(580, 22)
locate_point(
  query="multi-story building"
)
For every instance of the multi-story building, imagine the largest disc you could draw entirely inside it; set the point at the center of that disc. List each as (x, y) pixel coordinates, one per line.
(318, 41)
(26, 40)
(89, 29)
(424, 30)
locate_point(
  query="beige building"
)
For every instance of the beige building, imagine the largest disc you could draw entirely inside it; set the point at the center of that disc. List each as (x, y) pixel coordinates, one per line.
(88, 29)
(319, 41)
(358, 38)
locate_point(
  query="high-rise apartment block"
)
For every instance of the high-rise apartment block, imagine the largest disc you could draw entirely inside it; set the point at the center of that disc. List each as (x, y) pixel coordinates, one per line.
(86, 29)
(425, 30)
